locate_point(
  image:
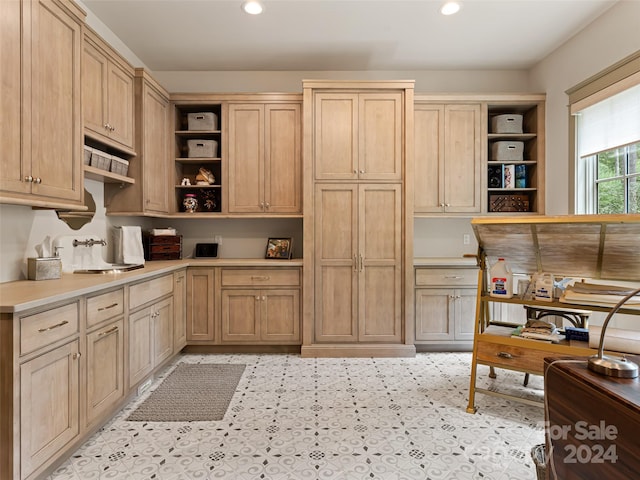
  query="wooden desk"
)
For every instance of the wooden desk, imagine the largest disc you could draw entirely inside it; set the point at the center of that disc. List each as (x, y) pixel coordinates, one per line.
(606, 410)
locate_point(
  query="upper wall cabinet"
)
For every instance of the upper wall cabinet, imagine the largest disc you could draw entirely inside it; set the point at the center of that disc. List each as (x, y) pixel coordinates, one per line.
(41, 134)
(265, 158)
(447, 158)
(107, 94)
(357, 136)
(150, 168)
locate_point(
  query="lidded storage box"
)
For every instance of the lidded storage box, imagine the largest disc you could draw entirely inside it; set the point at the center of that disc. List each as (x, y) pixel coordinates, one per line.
(202, 148)
(202, 121)
(509, 123)
(509, 151)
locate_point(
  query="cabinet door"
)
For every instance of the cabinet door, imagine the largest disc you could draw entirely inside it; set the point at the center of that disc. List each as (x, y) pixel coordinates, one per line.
(200, 304)
(94, 88)
(336, 136)
(53, 110)
(241, 315)
(380, 130)
(429, 154)
(180, 310)
(140, 345)
(246, 158)
(434, 314)
(162, 330)
(12, 170)
(462, 158)
(120, 113)
(155, 155)
(336, 263)
(282, 161)
(105, 369)
(280, 316)
(49, 409)
(465, 313)
(380, 263)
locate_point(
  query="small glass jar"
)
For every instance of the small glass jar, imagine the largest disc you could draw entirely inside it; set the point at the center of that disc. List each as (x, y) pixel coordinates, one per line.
(190, 202)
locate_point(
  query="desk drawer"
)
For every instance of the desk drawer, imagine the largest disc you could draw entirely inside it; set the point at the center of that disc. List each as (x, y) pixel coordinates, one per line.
(144, 292)
(444, 277)
(104, 306)
(45, 328)
(509, 356)
(261, 277)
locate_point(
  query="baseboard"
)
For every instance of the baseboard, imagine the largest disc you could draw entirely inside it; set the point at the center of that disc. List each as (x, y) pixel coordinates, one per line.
(241, 349)
(357, 350)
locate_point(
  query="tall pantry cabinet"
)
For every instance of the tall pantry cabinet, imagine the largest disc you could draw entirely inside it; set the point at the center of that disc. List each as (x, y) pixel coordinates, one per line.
(358, 215)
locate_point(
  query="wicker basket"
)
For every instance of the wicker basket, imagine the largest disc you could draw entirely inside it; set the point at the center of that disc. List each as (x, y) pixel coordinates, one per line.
(100, 160)
(119, 165)
(88, 151)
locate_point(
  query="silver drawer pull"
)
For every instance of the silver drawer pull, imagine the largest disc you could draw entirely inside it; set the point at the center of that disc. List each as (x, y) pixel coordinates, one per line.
(505, 355)
(264, 278)
(454, 277)
(108, 307)
(57, 325)
(107, 332)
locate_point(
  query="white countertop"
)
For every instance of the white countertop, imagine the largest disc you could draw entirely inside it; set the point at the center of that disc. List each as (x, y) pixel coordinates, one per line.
(26, 294)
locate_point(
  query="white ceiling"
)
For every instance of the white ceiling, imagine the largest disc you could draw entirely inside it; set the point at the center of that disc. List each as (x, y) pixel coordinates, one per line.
(396, 35)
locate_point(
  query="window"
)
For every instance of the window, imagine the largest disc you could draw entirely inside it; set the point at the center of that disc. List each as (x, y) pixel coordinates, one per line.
(613, 180)
(605, 140)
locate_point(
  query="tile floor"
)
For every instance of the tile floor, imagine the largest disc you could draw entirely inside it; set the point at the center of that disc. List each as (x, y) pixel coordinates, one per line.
(348, 419)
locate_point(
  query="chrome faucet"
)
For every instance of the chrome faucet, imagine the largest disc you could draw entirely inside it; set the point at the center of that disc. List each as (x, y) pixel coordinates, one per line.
(88, 243)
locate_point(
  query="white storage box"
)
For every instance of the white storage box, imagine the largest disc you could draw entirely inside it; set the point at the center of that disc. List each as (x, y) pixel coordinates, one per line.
(119, 165)
(202, 148)
(100, 160)
(511, 123)
(88, 151)
(508, 151)
(202, 121)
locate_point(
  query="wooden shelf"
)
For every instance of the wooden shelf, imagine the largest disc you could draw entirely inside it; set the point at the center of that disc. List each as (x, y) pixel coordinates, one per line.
(198, 160)
(106, 177)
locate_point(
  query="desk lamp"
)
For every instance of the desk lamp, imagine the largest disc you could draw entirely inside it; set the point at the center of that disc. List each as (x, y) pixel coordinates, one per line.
(613, 366)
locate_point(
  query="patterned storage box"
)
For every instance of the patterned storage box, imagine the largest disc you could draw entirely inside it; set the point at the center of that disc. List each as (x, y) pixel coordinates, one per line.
(202, 148)
(100, 160)
(202, 121)
(509, 203)
(510, 123)
(119, 165)
(507, 151)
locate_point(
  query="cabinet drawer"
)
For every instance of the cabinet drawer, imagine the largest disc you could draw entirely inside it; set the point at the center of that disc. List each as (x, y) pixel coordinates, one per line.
(444, 277)
(265, 277)
(510, 356)
(144, 292)
(104, 306)
(45, 328)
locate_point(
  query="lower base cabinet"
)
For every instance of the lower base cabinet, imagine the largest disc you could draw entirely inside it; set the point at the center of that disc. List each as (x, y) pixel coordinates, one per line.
(105, 369)
(49, 406)
(445, 315)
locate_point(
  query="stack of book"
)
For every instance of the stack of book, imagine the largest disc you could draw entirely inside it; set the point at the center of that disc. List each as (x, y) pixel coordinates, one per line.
(539, 330)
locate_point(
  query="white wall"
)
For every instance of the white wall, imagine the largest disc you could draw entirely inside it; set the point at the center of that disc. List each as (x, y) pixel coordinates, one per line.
(610, 38)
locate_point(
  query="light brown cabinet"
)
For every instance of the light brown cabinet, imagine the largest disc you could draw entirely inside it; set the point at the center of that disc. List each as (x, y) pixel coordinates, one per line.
(264, 158)
(150, 327)
(150, 168)
(358, 258)
(447, 173)
(261, 306)
(107, 94)
(445, 305)
(358, 135)
(41, 139)
(201, 301)
(180, 313)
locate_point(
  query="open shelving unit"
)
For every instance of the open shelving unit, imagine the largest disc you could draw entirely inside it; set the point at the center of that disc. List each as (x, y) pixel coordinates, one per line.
(209, 196)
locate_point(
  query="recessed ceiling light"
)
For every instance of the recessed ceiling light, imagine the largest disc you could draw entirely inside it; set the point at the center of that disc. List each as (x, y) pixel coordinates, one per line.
(449, 8)
(253, 7)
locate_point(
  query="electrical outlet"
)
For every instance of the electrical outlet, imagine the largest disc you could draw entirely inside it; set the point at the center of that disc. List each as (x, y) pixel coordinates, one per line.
(218, 239)
(466, 239)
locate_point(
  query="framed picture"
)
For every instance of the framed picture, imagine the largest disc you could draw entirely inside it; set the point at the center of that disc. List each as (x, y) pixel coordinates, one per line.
(279, 248)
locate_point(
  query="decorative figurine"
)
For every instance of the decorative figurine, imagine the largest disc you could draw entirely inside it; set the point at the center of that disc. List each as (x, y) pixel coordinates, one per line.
(190, 202)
